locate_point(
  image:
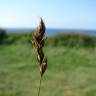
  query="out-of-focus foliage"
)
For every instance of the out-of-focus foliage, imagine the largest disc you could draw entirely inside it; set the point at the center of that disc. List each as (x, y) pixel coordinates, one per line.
(15, 38)
(60, 39)
(72, 40)
(3, 35)
(73, 70)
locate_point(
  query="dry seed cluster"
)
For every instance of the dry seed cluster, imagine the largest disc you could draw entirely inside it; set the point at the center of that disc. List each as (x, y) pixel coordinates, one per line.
(38, 41)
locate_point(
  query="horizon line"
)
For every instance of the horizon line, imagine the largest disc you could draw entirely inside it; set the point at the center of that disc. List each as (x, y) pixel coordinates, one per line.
(47, 28)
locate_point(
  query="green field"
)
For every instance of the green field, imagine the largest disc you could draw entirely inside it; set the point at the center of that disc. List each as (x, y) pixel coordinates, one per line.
(71, 71)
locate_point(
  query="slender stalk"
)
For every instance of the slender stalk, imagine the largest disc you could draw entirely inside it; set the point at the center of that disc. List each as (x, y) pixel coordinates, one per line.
(40, 86)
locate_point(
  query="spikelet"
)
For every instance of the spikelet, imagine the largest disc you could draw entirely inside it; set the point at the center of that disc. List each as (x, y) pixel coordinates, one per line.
(38, 40)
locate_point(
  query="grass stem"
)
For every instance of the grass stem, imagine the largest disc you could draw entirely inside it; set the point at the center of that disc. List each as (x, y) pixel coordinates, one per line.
(40, 86)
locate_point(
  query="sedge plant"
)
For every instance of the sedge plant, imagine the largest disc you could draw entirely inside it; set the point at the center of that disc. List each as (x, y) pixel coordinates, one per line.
(38, 41)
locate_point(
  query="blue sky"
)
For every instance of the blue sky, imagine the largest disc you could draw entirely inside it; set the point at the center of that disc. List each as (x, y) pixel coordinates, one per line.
(74, 14)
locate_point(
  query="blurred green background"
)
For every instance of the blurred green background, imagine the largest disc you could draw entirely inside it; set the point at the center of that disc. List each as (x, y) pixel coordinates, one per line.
(71, 65)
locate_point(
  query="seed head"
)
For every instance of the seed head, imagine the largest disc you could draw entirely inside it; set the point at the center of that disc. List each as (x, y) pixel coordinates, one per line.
(38, 40)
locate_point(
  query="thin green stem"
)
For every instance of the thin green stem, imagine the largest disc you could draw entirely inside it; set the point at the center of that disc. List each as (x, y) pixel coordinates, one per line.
(40, 86)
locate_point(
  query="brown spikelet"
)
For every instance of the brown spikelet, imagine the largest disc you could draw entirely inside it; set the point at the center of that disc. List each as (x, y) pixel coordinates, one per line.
(43, 67)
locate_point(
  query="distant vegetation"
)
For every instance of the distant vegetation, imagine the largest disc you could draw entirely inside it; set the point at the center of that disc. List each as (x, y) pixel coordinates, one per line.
(3, 36)
(72, 40)
(60, 39)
